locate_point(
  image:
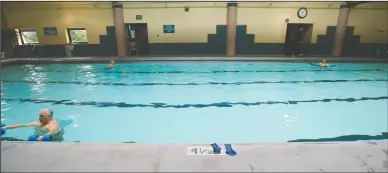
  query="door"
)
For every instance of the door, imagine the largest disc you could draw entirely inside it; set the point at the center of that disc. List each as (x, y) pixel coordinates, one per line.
(297, 36)
(290, 38)
(139, 33)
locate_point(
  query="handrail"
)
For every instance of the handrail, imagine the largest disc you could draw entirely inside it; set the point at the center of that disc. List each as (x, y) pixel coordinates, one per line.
(30, 48)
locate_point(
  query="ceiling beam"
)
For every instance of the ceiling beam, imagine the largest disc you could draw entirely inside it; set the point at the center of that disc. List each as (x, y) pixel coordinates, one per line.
(355, 3)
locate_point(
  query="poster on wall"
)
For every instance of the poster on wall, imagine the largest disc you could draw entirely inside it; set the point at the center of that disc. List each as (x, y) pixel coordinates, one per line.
(168, 28)
(50, 31)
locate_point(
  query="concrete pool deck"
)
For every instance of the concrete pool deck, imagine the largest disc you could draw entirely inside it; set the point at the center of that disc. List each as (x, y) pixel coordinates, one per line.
(361, 156)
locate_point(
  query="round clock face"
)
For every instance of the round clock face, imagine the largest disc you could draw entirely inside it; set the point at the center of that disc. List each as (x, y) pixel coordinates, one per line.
(302, 12)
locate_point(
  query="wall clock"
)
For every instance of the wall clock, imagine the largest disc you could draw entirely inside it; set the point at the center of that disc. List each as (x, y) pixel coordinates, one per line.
(302, 12)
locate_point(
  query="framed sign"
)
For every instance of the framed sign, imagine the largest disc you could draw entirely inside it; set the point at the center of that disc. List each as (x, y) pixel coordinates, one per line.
(50, 31)
(168, 28)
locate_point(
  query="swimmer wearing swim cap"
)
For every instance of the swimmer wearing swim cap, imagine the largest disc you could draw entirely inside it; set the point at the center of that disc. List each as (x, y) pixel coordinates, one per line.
(45, 126)
(323, 63)
(111, 63)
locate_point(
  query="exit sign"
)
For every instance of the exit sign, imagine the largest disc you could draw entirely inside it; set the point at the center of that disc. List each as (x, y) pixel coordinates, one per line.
(139, 17)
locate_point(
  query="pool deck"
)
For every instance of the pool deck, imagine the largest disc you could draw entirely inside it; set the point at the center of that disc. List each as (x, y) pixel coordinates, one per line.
(361, 156)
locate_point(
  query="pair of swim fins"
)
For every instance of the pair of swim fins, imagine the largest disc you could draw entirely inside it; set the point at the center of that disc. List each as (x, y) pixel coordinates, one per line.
(228, 147)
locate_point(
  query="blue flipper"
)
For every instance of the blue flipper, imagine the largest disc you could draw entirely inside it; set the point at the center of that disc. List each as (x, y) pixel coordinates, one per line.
(3, 131)
(216, 148)
(33, 138)
(47, 138)
(229, 150)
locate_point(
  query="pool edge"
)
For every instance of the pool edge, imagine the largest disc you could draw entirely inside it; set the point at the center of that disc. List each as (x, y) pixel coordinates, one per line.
(11, 61)
(360, 156)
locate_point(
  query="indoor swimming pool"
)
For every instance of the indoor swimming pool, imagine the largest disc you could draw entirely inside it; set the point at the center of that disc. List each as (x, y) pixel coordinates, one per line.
(198, 102)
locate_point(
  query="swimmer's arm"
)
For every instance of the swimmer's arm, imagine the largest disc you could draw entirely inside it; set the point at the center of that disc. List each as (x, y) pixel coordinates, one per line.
(51, 131)
(36, 123)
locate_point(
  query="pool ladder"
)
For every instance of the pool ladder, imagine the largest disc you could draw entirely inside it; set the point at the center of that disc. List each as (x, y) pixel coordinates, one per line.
(375, 51)
(30, 48)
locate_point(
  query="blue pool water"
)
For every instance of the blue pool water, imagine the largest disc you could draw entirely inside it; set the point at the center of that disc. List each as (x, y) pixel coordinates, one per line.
(198, 102)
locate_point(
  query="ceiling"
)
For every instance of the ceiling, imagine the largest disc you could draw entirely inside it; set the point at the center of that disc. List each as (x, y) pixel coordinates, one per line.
(321, 5)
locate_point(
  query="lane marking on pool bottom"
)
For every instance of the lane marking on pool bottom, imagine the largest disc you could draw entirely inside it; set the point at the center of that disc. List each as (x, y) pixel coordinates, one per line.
(205, 83)
(113, 71)
(165, 105)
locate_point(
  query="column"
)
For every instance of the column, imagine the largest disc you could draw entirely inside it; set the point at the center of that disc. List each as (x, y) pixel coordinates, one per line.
(7, 43)
(121, 40)
(231, 24)
(340, 32)
(2, 18)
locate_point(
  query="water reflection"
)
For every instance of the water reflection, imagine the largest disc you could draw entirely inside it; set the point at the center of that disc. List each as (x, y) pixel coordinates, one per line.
(4, 104)
(289, 120)
(73, 117)
(89, 77)
(32, 68)
(37, 88)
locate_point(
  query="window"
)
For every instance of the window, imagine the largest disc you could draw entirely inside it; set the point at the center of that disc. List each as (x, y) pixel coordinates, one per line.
(77, 36)
(27, 36)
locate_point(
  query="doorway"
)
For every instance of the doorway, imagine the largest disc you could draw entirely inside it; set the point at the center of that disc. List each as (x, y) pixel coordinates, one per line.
(138, 32)
(298, 35)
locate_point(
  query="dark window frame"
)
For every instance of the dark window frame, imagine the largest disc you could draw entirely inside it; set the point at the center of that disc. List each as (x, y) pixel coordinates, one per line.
(69, 35)
(22, 35)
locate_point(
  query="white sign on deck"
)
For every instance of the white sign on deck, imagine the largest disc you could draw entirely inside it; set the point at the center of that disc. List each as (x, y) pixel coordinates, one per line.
(204, 151)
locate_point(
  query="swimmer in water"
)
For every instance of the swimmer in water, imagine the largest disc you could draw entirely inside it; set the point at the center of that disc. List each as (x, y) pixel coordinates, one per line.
(323, 63)
(111, 64)
(45, 126)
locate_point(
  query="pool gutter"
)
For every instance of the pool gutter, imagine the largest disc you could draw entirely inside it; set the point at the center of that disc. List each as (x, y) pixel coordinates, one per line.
(360, 156)
(147, 59)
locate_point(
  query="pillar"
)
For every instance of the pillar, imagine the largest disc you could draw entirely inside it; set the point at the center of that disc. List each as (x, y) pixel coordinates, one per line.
(2, 26)
(231, 24)
(7, 35)
(2, 18)
(121, 40)
(340, 32)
